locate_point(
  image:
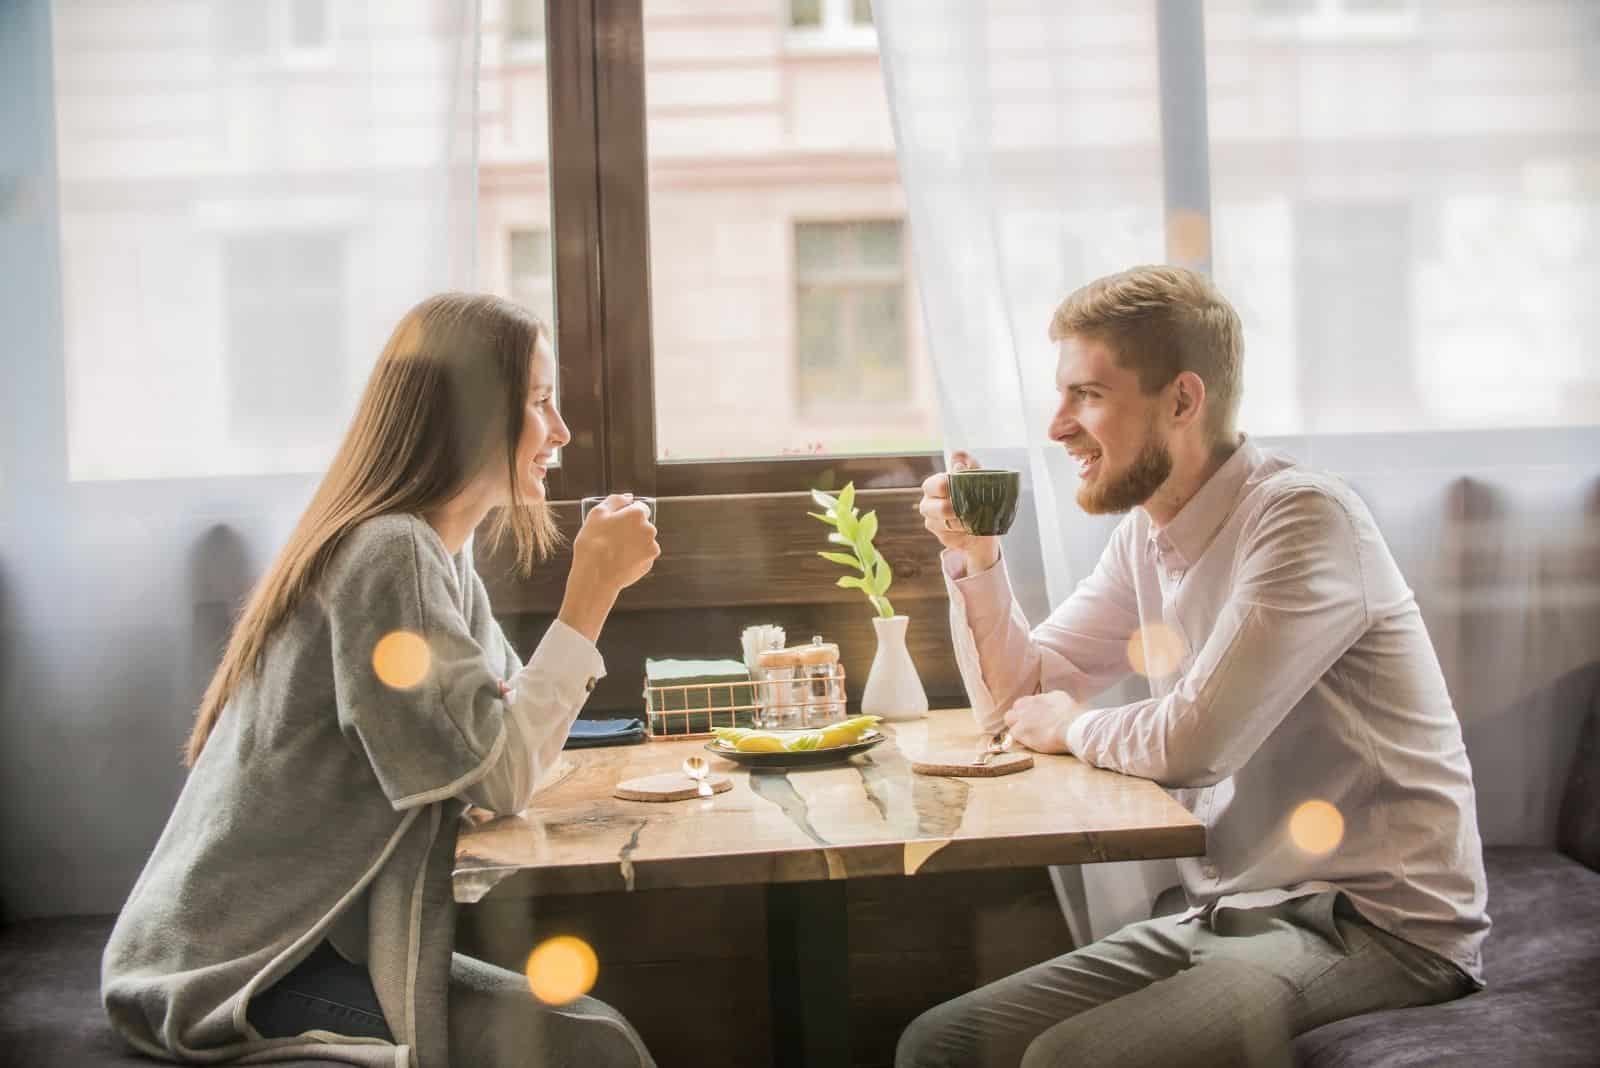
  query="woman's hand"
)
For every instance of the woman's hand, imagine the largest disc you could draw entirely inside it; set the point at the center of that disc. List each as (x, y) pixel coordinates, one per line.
(939, 516)
(616, 548)
(617, 542)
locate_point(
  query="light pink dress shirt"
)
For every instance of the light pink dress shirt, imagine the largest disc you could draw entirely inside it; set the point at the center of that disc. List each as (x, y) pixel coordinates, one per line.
(1288, 663)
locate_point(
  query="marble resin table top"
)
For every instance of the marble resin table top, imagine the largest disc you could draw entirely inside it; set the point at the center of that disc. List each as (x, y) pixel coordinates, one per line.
(871, 816)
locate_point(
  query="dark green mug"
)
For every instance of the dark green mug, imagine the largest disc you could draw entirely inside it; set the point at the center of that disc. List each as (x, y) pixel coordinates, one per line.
(985, 499)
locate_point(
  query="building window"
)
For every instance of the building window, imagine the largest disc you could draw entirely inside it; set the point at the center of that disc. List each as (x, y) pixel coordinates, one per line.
(525, 25)
(850, 315)
(1338, 19)
(284, 301)
(831, 25)
(285, 31)
(528, 270)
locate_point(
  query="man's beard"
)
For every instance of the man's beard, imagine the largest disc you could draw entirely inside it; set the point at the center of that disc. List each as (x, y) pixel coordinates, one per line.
(1119, 493)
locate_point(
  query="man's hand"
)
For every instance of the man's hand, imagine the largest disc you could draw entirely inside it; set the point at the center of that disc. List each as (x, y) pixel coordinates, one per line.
(939, 517)
(1040, 721)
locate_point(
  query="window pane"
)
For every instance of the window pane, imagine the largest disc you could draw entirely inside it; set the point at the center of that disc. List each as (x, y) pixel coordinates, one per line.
(878, 244)
(850, 314)
(524, 22)
(239, 229)
(244, 29)
(805, 12)
(308, 23)
(1408, 249)
(783, 311)
(530, 252)
(815, 249)
(284, 298)
(515, 249)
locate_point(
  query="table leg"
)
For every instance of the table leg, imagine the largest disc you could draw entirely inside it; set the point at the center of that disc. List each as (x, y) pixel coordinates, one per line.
(808, 962)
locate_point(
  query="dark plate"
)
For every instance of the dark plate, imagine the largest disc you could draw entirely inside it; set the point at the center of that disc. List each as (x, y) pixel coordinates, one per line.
(806, 758)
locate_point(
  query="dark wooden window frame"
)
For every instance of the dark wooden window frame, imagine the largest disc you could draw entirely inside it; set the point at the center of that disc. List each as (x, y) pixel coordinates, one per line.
(737, 546)
(601, 230)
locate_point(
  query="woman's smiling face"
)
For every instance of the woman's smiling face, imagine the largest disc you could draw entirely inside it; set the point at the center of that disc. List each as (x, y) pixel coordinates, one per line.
(543, 429)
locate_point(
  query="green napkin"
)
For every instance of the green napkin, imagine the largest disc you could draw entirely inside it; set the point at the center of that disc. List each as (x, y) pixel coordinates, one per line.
(713, 684)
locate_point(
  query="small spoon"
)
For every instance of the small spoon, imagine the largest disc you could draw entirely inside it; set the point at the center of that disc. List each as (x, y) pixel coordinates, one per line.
(998, 744)
(695, 768)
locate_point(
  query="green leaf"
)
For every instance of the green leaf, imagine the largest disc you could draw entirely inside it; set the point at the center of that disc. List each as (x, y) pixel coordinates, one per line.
(840, 539)
(847, 561)
(881, 604)
(847, 499)
(882, 576)
(850, 582)
(863, 535)
(824, 501)
(830, 520)
(848, 524)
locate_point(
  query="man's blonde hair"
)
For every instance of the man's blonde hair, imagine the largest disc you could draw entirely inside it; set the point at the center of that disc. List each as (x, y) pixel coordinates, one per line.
(1160, 321)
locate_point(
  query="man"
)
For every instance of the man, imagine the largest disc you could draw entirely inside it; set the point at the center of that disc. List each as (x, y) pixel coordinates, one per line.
(1297, 709)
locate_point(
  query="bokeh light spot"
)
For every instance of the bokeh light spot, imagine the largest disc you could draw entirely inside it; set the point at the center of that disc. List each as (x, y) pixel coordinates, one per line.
(562, 968)
(1156, 650)
(1316, 827)
(401, 659)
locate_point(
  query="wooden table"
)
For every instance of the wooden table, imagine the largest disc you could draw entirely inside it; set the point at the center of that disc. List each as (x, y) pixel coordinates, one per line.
(801, 832)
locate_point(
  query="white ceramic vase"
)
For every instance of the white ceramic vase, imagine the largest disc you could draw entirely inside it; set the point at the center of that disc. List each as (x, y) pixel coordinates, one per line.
(893, 689)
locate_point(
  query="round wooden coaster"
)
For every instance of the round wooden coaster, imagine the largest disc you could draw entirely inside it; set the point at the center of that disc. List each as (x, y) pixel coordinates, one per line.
(668, 786)
(959, 762)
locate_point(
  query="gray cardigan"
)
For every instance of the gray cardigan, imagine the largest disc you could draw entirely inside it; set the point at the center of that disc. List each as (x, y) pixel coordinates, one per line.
(325, 804)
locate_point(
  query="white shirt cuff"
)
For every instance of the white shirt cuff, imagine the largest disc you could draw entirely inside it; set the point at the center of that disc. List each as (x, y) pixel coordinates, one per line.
(1077, 729)
(569, 662)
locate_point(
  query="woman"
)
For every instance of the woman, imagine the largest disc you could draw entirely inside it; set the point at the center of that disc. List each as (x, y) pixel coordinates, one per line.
(299, 902)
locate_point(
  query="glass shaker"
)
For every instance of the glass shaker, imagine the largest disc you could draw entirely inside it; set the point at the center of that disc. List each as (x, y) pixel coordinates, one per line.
(823, 680)
(782, 690)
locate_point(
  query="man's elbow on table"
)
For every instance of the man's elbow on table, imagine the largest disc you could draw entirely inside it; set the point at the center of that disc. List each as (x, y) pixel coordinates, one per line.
(1191, 767)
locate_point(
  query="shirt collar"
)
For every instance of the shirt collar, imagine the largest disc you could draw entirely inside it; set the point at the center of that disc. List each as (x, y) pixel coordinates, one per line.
(1198, 521)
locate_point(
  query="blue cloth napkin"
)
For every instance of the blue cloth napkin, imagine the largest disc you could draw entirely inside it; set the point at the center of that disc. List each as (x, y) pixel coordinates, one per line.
(587, 733)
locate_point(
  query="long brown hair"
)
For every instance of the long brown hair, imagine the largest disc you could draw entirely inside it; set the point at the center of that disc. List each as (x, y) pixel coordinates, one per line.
(444, 402)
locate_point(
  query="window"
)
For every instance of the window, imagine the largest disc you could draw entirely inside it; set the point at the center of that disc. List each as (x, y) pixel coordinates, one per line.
(284, 300)
(714, 226)
(1338, 19)
(831, 26)
(288, 31)
(528, 270)
(1353, 296)
(782, 334)
(524, 28)
(850, 315)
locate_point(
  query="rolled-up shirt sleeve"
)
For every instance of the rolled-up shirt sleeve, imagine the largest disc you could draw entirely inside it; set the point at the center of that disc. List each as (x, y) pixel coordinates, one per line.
(1296, 605)
(1082, 648)
(545, 698)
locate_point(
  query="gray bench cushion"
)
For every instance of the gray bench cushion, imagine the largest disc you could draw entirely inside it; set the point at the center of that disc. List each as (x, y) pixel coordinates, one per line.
(50, 1010)
(1542, 962)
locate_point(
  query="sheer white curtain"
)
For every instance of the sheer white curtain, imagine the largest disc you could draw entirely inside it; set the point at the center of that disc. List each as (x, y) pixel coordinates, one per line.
(1401, 198)
(244, 197)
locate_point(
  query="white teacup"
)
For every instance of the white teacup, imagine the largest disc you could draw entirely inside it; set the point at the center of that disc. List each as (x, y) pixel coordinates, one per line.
(589, 502)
